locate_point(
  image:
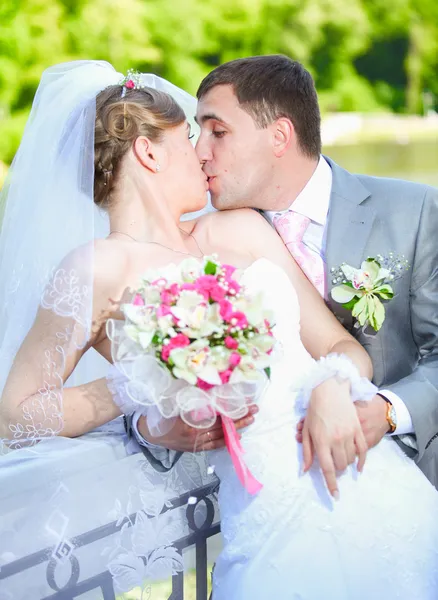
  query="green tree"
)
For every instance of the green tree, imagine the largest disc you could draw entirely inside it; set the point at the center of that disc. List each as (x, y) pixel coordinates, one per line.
(417, 22)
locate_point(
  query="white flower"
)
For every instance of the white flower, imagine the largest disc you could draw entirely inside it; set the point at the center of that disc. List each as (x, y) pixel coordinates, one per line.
(367, 285)
(151, 295)
(190, 269)
(197, 319)
(141, 324)
(195, 361)
(171, 273)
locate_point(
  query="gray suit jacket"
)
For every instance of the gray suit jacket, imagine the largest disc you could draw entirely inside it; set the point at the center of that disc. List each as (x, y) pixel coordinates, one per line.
(370, 216)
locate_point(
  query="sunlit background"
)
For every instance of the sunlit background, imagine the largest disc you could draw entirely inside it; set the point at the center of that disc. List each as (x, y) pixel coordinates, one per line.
(375, 62)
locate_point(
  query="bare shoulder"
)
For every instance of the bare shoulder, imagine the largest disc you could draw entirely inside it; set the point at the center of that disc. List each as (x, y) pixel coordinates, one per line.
(241, 220)
(111, 263)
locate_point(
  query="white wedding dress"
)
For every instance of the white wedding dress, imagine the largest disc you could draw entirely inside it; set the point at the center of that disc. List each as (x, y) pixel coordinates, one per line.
(292, 541)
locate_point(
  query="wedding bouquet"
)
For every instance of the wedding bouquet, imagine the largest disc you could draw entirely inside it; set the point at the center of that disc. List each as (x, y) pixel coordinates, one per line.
(195, 344)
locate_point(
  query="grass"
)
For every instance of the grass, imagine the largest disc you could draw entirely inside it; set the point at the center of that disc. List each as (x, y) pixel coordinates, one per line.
(162, 590)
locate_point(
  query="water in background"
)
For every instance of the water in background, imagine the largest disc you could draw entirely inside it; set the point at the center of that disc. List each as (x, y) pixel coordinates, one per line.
(416, 161)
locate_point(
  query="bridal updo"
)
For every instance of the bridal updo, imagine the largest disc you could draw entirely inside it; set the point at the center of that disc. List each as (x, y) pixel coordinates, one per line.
(119, 122)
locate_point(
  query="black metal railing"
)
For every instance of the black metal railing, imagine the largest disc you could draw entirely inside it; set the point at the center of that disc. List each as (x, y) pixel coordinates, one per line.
(74, 587)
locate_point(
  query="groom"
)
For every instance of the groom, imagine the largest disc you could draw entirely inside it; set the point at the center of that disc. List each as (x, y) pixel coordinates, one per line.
(260, 145)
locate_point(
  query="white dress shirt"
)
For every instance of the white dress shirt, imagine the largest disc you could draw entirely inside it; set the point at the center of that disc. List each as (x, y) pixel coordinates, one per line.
(313, 202)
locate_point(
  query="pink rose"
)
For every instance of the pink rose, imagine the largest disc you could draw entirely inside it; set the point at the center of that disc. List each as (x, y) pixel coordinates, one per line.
(203, 385)
(231, 343)
(238, 319)
(163, 310)
(179, 341)
(235, 359)
(166, 297)
(205, 284)
(217, 294)
(174, 289)
(225, 309)
(233, 287)
(225, 375)
(188, 286)
(130, 85)
(229, 270)
(138, 300)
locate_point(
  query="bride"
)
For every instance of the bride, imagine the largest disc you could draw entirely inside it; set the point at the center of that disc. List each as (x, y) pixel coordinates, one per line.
(96, 142)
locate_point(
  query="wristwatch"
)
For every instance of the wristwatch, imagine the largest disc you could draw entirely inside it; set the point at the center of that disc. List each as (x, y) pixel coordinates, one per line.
(391, 415)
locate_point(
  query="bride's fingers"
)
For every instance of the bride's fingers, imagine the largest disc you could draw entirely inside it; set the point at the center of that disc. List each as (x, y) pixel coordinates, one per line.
(362, 449)
(307, 450)
(328, 470)
(339, 457)
(350, 450)
(245, 421)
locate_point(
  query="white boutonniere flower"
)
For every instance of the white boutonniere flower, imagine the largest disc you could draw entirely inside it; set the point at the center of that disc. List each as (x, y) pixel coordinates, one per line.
(362, 290)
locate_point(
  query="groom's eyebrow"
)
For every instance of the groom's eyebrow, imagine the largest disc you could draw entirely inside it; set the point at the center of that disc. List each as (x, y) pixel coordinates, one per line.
(209, 117)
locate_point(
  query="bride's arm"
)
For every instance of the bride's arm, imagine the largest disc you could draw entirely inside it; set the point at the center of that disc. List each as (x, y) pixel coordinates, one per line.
(34, 393)
(332, 427)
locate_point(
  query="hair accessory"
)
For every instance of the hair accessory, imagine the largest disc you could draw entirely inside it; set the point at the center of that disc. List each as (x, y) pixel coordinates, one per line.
(131, 81)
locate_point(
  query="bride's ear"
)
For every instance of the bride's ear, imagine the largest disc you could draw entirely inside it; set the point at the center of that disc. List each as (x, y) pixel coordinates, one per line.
(146, 153)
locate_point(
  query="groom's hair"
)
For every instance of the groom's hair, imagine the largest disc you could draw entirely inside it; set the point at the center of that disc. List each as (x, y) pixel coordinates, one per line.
(270, 87)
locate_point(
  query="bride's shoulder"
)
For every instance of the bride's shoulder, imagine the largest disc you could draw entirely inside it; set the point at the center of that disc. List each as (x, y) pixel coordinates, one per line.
(100, 261)
(239, 219)
(110, 261)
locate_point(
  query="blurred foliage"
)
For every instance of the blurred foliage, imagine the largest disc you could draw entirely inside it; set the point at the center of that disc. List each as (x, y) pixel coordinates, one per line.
(365, 55)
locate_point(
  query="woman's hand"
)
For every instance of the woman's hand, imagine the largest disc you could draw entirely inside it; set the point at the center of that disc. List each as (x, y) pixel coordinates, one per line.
(332, 432)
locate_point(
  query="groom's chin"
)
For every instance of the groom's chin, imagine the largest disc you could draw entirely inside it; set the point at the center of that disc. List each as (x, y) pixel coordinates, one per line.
(222, 202)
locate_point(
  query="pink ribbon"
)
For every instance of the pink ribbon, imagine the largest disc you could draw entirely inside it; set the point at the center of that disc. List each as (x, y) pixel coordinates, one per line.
(236, 451)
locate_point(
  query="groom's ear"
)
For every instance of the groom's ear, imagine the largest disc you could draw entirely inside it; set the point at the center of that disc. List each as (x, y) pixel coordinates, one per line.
(283, 135)
(145, 152)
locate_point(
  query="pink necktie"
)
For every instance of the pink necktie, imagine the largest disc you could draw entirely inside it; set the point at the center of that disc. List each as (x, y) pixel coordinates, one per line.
(291, 226)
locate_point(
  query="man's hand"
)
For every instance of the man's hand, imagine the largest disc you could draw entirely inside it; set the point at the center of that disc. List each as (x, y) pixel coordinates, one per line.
(332, 432)
(184, 438)
(372, 417)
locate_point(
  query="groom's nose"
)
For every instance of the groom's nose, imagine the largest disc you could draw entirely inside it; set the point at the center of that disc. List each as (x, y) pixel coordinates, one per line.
(203, 150)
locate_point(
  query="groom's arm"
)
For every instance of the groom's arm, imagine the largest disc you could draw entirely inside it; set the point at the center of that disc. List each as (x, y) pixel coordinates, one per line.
(161, 459)
(419, 390)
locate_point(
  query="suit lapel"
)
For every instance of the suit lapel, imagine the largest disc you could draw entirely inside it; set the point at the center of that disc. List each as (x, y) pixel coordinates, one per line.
(350, 221)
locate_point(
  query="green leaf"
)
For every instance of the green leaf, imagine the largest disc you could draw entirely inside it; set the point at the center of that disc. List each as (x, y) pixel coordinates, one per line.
(373, 260)
(210, 268)
(268, 372)
(343, 293)
(360, 310)
(378, 315)
(350, 305)
(385, 292)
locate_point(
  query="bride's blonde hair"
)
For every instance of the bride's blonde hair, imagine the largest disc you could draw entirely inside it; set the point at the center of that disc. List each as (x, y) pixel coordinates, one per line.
(119, 122)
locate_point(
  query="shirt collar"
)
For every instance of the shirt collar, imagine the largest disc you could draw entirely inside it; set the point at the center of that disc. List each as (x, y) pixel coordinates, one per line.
(314, 199)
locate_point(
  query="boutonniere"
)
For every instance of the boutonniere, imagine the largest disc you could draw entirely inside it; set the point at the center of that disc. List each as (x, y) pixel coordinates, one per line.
(362, 290)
